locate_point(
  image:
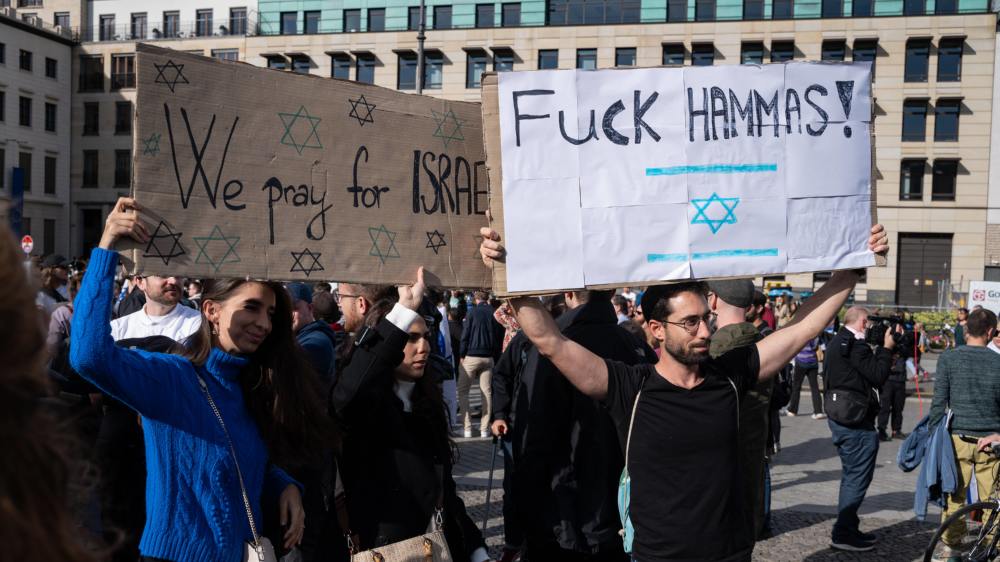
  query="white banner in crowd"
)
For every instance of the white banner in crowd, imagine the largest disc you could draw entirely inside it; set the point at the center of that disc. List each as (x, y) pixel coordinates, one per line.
(644, 175)
(985, 294)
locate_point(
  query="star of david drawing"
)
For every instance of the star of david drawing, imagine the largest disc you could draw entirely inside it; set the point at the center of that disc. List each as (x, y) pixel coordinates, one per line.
(210, 253)
(449, 127)
(151, 146)
(170, 74)
(162, 235)
(383, 243)
(366, 110)
(728, 204)
(300, 125)
(435, 241)
(307, 268)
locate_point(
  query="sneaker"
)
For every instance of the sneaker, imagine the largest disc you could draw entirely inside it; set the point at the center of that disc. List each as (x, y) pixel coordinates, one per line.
(898, 435)
(790, 413)
(819, 416)
(485, 434)
(468, 434)
(851, 544)
(867, 537)
(883, 436)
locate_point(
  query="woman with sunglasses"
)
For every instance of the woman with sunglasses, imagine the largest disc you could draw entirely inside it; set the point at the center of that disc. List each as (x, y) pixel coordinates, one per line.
(398, 453)
(215, 417)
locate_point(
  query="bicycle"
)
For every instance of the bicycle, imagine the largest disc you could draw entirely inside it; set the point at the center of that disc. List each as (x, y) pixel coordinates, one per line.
(976, 546)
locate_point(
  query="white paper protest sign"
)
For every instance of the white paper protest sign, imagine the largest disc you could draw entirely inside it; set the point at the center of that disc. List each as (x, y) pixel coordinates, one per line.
(637, 176)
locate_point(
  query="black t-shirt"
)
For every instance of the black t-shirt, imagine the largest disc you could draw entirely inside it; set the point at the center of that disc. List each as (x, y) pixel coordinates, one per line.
(686, 502)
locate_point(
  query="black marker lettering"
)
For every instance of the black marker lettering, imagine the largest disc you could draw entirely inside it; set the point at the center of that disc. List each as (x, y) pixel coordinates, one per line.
(822, 113)
(607, 124)
(637, 114)
(692, 113)
(517, 111)
(591, 135)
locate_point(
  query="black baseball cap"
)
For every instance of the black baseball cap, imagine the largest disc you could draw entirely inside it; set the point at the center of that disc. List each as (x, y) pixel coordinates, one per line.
(736, 292)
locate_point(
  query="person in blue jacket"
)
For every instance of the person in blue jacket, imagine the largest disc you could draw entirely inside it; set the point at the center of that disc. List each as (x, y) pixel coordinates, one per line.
(245, 353)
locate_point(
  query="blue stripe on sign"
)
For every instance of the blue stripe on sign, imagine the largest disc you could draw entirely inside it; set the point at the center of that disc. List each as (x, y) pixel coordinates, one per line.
(712, 169)
(654, 258)
(735, 253)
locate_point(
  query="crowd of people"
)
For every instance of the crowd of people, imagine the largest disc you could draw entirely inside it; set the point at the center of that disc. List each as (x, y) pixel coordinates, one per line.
(226, 419)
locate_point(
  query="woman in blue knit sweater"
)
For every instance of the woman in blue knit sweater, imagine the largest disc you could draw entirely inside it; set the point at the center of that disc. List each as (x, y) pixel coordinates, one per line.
(246, 356)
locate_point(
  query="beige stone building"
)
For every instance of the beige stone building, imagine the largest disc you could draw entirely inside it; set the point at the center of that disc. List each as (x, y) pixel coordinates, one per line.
(934, 93)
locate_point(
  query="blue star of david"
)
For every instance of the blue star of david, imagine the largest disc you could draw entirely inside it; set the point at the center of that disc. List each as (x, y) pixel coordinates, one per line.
(289, 120)
(207, 256)
(702, 205)
(446, 132)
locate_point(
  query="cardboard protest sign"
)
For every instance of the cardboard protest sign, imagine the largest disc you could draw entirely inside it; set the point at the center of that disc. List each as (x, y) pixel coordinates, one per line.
(633, 177)
(251, 172)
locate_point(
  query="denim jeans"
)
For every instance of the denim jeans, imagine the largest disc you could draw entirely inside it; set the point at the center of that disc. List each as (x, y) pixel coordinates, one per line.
(858, 449)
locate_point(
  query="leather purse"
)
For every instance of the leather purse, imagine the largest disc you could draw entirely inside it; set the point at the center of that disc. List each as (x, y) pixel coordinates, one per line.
(261, 549)
(427, 547)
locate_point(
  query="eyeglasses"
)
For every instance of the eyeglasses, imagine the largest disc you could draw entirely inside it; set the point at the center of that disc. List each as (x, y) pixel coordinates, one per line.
(342, 296)
(692, 323)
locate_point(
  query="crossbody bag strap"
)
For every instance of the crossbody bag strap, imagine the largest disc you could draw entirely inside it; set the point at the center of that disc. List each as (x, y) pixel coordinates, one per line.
(239, 474)
(631, 421)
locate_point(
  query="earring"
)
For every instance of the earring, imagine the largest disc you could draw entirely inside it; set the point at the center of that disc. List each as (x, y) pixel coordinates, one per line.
(215, 331)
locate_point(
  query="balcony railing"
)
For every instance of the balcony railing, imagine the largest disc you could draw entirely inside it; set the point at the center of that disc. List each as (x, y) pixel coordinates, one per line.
(122, 80)
(158, 30)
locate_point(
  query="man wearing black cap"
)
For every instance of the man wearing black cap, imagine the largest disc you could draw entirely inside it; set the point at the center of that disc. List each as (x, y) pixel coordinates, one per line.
(55, 275)
(680, 416)
(315, 336)
(730, 299)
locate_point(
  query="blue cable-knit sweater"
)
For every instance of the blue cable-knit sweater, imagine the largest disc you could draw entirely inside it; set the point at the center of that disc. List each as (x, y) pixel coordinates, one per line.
(194, 508)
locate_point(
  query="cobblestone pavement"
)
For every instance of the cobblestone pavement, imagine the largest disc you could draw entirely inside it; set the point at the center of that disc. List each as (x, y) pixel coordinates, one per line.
(805, 481)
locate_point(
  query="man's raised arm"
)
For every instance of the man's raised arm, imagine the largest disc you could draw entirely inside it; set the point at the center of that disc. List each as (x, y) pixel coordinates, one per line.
(777, 349)
(586, 371)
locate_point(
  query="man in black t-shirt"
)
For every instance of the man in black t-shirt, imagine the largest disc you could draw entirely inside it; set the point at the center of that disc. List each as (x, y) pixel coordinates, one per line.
(683, 457)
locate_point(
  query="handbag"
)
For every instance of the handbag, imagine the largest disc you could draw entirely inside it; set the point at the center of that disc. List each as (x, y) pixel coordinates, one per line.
(427, 547)
(261, 549)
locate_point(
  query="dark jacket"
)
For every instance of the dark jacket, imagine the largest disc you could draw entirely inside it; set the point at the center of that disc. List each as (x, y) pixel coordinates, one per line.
(482, 335)
(566, 453)
(850, 364)
(396, 465)
(318, 340)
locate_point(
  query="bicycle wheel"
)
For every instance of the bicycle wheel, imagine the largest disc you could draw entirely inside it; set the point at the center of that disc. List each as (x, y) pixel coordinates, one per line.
(977, 545)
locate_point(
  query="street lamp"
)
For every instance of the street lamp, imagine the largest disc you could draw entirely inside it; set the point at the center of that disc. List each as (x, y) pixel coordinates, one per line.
(420, 49)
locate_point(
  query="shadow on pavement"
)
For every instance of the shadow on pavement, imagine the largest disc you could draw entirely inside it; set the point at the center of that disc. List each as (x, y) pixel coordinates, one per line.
(810, 477)
(904, 540)
(807, 452)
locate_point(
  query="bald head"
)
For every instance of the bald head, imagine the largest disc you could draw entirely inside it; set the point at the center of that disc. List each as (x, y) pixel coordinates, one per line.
(855, 317)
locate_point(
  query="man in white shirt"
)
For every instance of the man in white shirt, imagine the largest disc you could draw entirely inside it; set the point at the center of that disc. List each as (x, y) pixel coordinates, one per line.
(161, 315)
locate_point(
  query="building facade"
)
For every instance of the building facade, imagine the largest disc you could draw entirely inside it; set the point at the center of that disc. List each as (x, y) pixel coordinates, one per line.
(933, 87)
(934, 60)
(35, 136)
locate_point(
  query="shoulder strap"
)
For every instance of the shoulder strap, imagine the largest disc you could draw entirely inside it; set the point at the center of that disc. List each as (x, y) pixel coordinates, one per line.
(631, 422)
(239, 474)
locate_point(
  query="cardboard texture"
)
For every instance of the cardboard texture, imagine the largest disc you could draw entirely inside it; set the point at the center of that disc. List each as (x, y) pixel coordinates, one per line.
(492, 141)
(249, 172)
